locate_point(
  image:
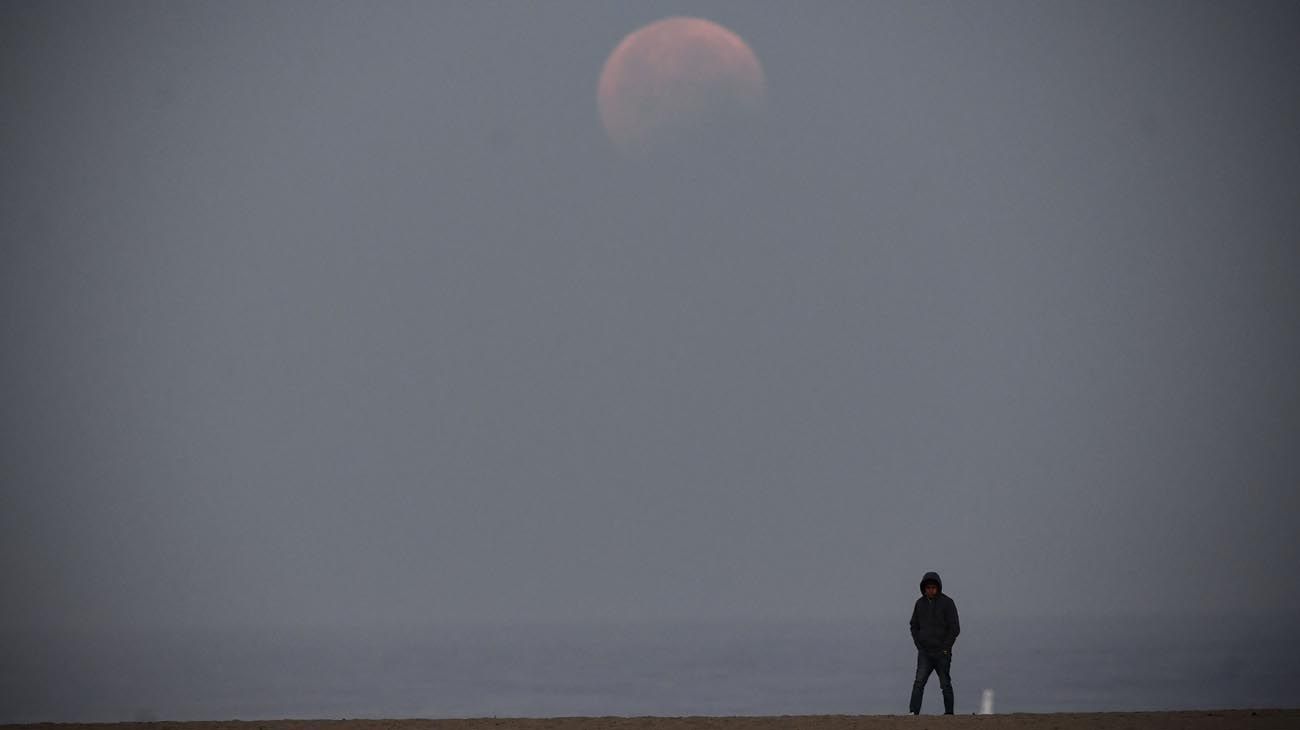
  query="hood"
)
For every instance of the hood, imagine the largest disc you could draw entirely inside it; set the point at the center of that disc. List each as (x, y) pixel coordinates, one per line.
(931, 577)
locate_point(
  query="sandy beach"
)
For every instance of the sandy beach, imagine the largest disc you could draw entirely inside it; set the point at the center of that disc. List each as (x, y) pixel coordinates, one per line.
(1190, 720)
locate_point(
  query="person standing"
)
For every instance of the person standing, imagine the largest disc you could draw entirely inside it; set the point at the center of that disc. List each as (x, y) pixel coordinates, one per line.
(934, 630)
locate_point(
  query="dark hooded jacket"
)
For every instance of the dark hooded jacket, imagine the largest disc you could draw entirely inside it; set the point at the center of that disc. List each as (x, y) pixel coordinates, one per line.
(934, 621)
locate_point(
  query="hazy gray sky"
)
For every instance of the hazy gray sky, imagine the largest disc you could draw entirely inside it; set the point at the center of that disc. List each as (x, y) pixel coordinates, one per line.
(348, 313)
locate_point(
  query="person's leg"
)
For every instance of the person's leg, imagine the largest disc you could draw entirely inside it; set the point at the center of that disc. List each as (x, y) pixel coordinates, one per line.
(943, 667)
(923, 668)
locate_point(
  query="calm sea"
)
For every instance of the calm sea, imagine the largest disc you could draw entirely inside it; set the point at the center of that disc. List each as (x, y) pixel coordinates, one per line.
(683, 668)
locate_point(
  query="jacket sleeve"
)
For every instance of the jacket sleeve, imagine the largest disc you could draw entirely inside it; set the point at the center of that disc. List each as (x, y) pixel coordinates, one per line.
(954, 626)
(916, 626)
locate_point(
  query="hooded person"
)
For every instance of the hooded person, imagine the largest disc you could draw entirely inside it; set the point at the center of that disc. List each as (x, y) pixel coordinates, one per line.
(934, 631)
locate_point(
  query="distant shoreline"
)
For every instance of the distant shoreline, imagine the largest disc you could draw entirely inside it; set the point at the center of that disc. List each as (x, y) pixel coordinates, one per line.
(1264, 719)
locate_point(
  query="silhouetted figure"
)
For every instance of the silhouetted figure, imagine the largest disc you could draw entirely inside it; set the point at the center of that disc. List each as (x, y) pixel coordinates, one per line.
(934, 630)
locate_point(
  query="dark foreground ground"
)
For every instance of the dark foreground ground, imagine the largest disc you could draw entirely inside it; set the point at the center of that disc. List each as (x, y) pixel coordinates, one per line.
(1198, 720)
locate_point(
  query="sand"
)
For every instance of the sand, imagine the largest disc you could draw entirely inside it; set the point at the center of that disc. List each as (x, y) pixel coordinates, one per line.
(1197, 720)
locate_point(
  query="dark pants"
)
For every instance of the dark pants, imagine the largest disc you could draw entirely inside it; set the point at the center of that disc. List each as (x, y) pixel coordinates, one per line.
(932, 661)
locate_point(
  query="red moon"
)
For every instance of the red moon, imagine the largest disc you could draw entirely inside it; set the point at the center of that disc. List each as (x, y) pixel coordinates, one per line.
(677, 75)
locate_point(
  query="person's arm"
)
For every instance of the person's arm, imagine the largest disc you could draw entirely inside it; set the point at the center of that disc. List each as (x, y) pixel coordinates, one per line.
(954, 626)
(916, 626)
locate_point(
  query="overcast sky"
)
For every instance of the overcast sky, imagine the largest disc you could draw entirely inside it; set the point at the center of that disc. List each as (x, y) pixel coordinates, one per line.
(349, 313)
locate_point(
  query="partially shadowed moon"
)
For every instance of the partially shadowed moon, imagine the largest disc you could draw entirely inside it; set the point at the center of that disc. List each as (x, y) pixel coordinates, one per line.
(678, 78)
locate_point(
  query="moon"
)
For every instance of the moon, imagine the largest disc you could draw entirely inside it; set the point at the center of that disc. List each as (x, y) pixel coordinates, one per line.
(678, 78)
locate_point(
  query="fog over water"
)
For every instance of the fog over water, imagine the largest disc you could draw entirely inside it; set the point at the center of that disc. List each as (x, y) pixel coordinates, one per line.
(348, 316)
